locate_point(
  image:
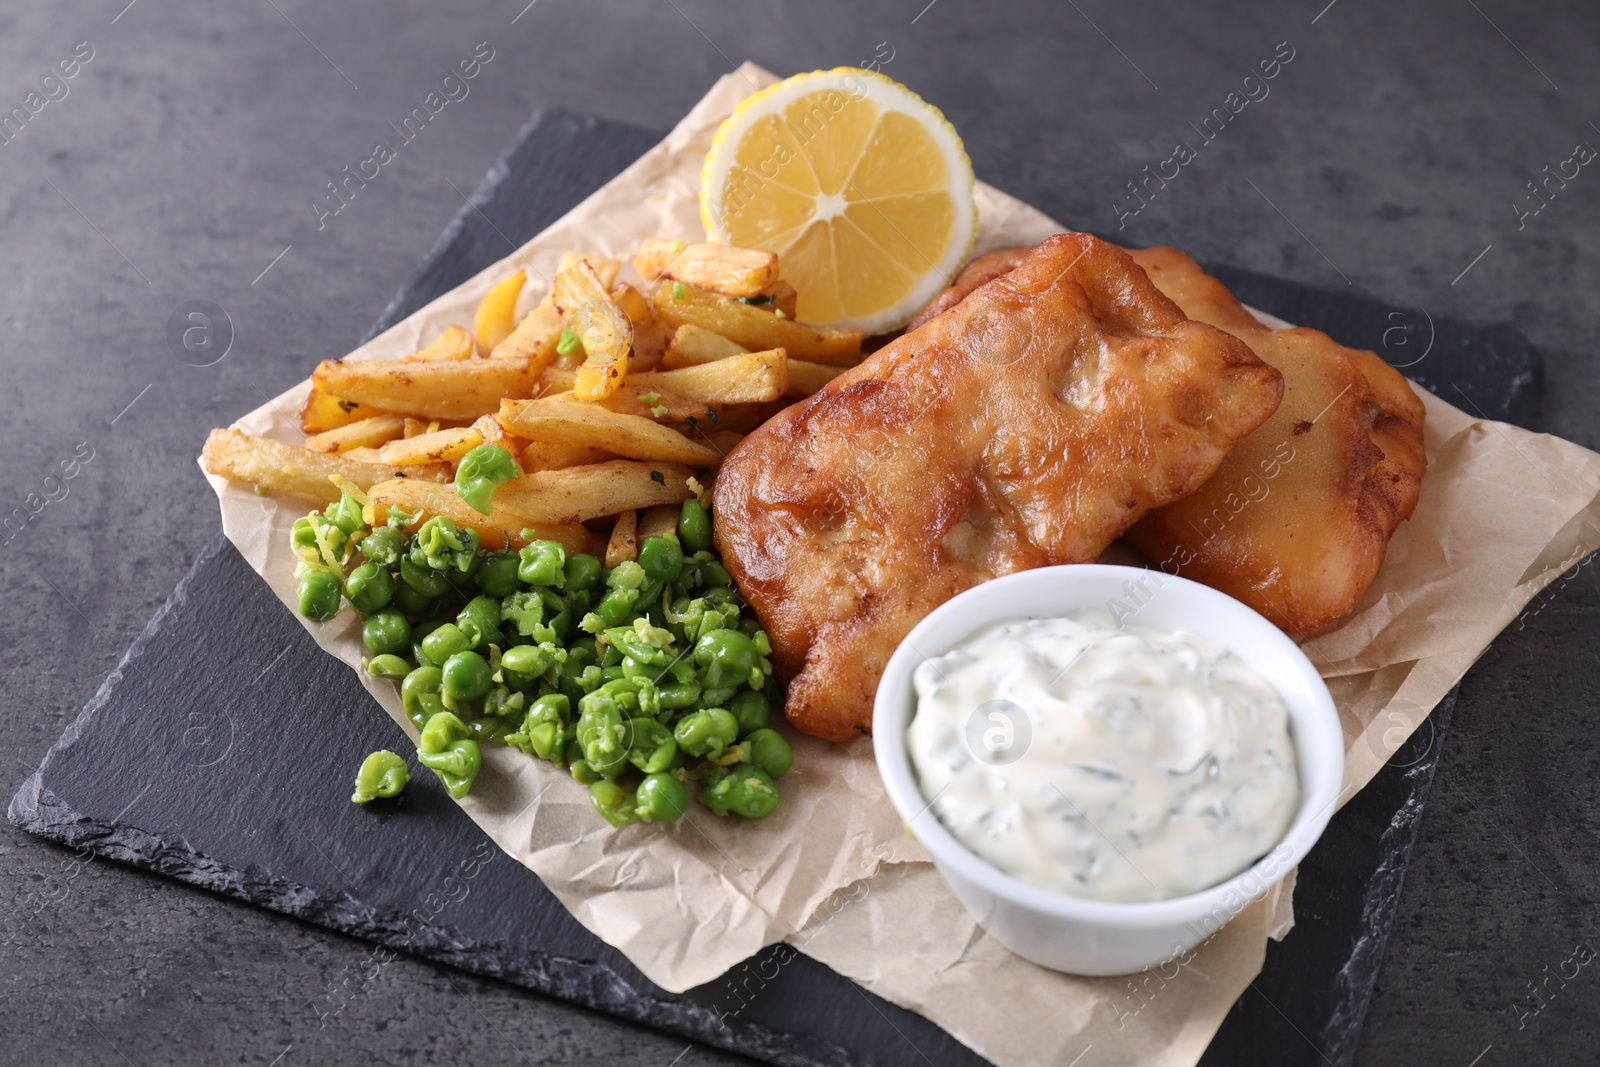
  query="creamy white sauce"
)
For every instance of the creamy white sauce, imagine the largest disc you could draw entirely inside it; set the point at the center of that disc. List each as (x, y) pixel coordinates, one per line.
(1106, 762)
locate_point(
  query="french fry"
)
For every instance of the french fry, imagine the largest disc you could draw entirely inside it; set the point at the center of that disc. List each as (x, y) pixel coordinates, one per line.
(497, 530)
(454, 343)
(605, 268)
(534, 339)
(585, 306)
(663, 406)
(724, 441)
(553, 455)
(806, 378)
(745, 379)
(497, 311)
(292, 470)
(325, 410)
(418, 427)
(440, 446)
(364, 433)
(457, 390)
(624, 543)
(720, 268)
(493, 433)
(578, 494)
(754, 328)
(578, 423)
(781, 297)
(691, 345)
(658, 521)
(651, 334)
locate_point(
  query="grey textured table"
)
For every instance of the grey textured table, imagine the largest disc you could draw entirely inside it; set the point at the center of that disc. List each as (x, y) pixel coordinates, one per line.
(182, 162)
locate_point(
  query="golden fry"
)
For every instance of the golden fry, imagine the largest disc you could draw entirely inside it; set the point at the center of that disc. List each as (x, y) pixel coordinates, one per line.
(651, 333)
(624, 543)
(497, 311)
(753, 328)
(534, 339)
(806, 378)
(720, 268)
(458, 390)
(781, 297)
(691, 345)
(745, 379)
(605, 268)
(578, 494)
(290, 469)
(502, 528)
(365, 433)
(454, 343)
(660, 520)
(440, 446)
(324, 410)
(553, 455)
(583, 424)
(585, 306)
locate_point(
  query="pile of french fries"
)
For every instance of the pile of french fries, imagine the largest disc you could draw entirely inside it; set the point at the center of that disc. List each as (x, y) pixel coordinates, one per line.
(615, 397)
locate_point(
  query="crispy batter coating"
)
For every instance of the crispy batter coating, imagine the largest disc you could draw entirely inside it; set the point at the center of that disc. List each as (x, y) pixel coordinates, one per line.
(1296, 520)
(1029, 425)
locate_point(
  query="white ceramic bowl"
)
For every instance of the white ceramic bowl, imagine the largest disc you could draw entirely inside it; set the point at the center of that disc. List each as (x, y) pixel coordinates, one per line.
(1086, 936)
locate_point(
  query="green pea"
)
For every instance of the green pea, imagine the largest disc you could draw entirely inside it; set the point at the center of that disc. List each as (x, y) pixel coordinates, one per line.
(466, 676)
(419, 694)
(447, 750)
(419, 634)
(768, 750)
(532, 660)
(320, 595)
(661, 558)
(752, 710)
(480, 471)
(384, 545)
(706, 732)
(498, 576)
(388, 666)
(479, 621)
(491, 729)
(382, 774)
(582, 773)
(387, 632)
(744, 789)
(408, 599)
(424, 580)
(651, 747)
(713, 573)
(370, 587)
(345, 513)
(726, 658)
(582, 572)
(441, 545)
(661, 796)
(614, 802)
(303, 538)
(616, 607)
(542, 563)
(694, 526)
(445, 641)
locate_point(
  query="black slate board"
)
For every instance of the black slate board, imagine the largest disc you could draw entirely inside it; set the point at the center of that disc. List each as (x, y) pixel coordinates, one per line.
(214, 792)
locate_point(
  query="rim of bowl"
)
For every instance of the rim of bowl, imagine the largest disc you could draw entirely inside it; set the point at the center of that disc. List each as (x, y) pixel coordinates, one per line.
(895, 705)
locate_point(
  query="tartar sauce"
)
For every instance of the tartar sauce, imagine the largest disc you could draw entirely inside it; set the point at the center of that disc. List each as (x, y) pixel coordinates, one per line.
(1103, 761)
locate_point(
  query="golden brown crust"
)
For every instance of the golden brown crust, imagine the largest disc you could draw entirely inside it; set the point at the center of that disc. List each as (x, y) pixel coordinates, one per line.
(1296, 521)
(1030, 424)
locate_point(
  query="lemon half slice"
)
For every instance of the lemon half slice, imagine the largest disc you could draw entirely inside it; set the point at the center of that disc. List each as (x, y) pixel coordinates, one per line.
(861, 187)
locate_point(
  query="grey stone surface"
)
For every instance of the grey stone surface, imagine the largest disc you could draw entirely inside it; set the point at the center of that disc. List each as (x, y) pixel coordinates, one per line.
(183, 160)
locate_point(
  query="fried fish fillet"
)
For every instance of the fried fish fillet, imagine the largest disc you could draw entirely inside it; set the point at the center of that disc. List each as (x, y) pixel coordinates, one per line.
(1296, 521)
(1029, 425)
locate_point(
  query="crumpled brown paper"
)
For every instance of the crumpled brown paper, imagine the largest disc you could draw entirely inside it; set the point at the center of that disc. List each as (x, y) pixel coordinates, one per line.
(1502, 513)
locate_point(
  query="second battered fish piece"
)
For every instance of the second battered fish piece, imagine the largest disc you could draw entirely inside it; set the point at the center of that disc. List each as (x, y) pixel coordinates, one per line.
(1296, 521)
(1028, 425)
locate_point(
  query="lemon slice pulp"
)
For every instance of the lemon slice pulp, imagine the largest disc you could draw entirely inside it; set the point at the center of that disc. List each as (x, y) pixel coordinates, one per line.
(861, 187)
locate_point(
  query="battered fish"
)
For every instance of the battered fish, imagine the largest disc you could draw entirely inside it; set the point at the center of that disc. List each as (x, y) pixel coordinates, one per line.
(1029, 425)
(1296, 521)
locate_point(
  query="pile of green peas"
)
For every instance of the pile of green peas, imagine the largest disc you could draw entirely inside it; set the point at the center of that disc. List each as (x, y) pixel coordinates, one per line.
(642, 680)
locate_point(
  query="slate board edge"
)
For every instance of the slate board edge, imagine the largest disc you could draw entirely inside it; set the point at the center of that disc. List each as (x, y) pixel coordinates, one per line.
(1358, 977)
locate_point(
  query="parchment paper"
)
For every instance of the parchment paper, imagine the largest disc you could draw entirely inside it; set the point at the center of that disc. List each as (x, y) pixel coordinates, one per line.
(1503, 512)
